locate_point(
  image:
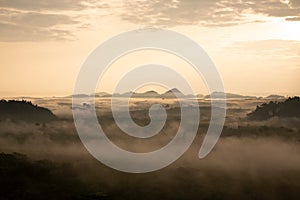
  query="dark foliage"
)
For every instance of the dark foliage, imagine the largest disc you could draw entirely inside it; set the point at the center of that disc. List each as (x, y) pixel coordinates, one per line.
(22, 178)
(288, 108)
(24, 111)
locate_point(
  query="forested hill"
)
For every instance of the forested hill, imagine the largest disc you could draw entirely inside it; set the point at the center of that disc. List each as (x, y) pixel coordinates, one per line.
(24, 111)
(288, 108)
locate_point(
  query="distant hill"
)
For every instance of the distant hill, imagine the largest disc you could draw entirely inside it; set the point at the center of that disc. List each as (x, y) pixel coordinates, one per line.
(219, 95)
(274, 96)
(173, 93)
(78, 96)
(127, 94)
(99, 94)
(102, 94)
(200, 96)
(24, 111)
(148, 94)
(288, 108)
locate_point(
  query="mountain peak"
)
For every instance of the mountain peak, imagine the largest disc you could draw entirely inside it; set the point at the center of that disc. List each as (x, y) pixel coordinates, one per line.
(173, 90)
(150, 92)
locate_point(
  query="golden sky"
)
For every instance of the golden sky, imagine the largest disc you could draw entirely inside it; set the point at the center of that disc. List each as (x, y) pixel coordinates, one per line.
(254, 44)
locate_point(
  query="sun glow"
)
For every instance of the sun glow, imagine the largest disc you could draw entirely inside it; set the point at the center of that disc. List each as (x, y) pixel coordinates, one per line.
(289, 30)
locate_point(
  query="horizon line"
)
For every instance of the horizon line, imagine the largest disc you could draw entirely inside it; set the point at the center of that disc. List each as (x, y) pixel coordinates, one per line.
(70, 95)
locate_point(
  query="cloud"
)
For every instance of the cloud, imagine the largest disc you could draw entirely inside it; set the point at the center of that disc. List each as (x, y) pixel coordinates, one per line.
(29, 20)
(40, 20)
(42, 5)
(203, 12)
(292, 18)
(13, 33)
(171, 12)
(31, 26)
(294, 3)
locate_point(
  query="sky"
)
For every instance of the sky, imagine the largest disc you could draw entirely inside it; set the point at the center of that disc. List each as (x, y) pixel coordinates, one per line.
(255, 45)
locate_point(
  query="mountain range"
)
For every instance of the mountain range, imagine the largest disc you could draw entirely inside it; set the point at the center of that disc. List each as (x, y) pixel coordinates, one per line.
(170, 94)
(219, 95)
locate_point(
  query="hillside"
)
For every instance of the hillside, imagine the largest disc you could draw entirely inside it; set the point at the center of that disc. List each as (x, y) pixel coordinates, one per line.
(274, 96)
(24, 111)
(218, 95)
(148, 94)
(288, 108)
(173, 93)
(22, 178)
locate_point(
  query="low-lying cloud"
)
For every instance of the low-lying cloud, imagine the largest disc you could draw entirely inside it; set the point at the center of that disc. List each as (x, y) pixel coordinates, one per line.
(251, 159)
